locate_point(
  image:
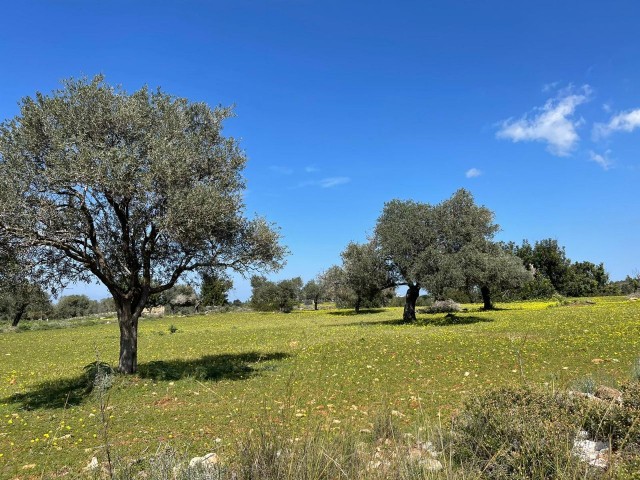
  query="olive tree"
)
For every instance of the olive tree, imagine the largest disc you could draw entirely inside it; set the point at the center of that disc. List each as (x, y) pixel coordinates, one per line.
(366, 273)
(427, 245)
(134, 190)
(21, 293)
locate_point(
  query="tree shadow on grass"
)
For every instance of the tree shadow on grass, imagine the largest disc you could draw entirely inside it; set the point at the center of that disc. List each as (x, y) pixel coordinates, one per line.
(237, 366)
(66, 392)
(350, 313)
(447, 320)
(451, 319)
(61, 393)
(362, 323)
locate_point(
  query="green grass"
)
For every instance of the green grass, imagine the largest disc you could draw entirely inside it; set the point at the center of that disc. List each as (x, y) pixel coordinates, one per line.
(221, 376)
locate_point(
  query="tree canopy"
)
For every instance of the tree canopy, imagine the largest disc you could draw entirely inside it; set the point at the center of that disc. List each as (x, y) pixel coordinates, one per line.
(443, 246)
(135, 190)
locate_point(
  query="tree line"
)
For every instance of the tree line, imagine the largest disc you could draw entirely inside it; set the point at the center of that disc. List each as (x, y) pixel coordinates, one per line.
(446, 251)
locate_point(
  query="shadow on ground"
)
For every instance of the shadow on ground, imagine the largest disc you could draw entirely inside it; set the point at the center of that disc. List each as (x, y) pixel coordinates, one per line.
(352, 313)
(451, 319)
(447, 320)
(236, 366)
(67, 392)
(363, 323)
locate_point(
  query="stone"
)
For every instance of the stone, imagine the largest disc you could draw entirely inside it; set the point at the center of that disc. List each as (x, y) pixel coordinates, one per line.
(592, 452)
(209, 460)
(608, 393)
(92, 465)
(431, 464)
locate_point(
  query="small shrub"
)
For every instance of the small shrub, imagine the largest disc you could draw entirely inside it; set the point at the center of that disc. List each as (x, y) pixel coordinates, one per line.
(444, 306)
(99, 375)
(173, 328)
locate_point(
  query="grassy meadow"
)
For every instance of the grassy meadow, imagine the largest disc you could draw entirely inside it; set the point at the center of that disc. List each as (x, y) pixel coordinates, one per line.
(221, 376)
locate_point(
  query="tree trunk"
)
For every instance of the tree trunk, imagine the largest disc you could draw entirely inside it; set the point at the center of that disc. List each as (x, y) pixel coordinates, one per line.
(486, 298)
(413, 292)
(128, 320)
(19, 313)
(315, 303)
(358, 305)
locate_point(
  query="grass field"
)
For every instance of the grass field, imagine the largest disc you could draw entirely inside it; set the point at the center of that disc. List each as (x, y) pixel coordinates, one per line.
(218, 377)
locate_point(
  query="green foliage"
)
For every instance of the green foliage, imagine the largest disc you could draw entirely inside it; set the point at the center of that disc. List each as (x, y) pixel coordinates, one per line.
(71, 306)
(518, 433)
(553, 271)
(538, 288)
(366, 275)
(313, 291)
(280, 296)
(135, 190)
(213, 290)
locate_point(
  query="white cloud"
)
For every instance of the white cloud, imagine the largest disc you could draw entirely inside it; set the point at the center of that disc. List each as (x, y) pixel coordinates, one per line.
(473, 172)
(602, 159)
(623, 122)
(547, 87)
(311, 169)
(333, 181)
(552, 123)
(606, 107)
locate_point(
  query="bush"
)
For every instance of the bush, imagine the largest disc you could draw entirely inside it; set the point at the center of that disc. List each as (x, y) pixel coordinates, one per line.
(517, 433)
(444, 306)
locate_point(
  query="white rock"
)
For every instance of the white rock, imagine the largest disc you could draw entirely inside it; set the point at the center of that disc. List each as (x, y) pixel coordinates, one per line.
(594, 453)
(431, 464)
(208, 460)
(92, 465)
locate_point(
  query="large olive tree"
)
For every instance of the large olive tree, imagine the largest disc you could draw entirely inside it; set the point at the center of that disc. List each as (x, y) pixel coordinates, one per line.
(135, 190)
(445, 245)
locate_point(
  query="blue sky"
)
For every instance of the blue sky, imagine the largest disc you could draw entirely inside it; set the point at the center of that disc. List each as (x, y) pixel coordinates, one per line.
(343, 105)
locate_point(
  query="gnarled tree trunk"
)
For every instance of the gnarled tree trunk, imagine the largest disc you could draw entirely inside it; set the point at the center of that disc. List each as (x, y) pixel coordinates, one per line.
(413, 292)
(486, 298)
(129, 310)
(20, 309)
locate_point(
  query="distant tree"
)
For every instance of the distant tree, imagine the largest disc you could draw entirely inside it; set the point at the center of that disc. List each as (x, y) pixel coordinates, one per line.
(106, 305)
(584, 279)
(313, 292)
(283, 295)
(366, 273)
(552, 267)
(214, 289)
(71, 306)
(492, 270)
(548, 258)
(20, 291)
(332, 282)
(25, 300)
(135, 190)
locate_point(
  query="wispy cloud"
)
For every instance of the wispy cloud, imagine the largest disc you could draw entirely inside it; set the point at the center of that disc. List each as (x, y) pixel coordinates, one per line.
(547, 87)
(552, 123)
(622, 122)
(328, 182)
(311, 169)
(281, 170)
(472, 173)
(602, 159)
(333, 181)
